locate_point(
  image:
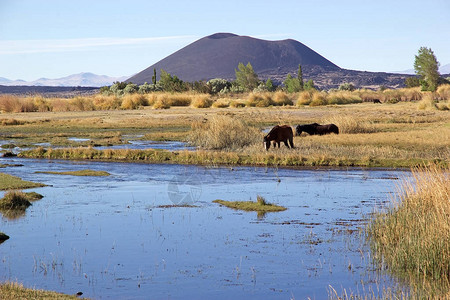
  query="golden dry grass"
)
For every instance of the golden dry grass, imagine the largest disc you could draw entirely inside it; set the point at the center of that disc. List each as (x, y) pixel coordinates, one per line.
(413, 236)
(14, 290)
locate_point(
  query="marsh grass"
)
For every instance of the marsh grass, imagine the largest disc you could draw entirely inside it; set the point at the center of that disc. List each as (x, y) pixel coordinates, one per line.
(223, 132)
(14, 290)
(350, 124)
(412, 238)
(261, 205)
(9, 182)
(78, 173)
(14, 200)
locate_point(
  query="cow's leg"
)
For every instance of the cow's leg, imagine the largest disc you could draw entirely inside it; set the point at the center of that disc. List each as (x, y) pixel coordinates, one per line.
(286, 143)
(291, 141)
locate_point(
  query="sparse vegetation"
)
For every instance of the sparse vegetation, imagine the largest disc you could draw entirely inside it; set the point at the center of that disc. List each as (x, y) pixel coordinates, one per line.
(223, 132)
(14, 290)
(78, 173)
(261, 205)
(412, 238)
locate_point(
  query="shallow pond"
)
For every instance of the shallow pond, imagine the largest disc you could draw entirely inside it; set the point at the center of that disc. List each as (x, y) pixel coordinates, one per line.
(117, 237)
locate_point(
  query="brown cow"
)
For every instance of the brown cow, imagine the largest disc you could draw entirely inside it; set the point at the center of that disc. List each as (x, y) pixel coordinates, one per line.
(279, 134)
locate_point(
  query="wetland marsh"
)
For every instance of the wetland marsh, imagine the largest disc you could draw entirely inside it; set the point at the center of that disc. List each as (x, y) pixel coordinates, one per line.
(152, 228)
(111, 237)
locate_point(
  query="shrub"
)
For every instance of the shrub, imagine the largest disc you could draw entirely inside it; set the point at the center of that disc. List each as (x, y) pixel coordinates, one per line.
(81, 104)
(427, 102)
(133, 101)
(280, 98)
(304, 98)
(161, 103)
(443, 92)
(237, 104)
(318, 98)
(216, 85)
(179, 99)
(104, 102)
(223, 132)
(259, 100)
(201, 101)
(221, 103)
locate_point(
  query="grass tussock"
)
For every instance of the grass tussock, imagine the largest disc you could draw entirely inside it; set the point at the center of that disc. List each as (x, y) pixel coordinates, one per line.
(78, 173)
(14, 290)
(350, 124)
(9, 182)
(223, 132)
(11, 122)
(14, 200)
(413, 237)
(261, 205)
(201, 101)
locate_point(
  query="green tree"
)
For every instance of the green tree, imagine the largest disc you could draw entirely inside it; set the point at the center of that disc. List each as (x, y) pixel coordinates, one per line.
(300, 77)
(426, 66)
(291, 84)
(269, 85)
(154, 76)
(412, 81)
(309, 85)
(246, 77)
(171, 83)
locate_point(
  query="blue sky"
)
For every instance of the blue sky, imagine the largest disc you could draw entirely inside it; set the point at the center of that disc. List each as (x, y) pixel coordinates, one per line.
(52, 39)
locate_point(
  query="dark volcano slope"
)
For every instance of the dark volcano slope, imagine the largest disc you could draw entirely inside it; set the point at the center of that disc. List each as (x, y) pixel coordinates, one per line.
(218, 55)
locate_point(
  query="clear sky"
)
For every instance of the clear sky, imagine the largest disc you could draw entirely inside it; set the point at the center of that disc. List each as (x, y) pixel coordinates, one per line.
(55, 38)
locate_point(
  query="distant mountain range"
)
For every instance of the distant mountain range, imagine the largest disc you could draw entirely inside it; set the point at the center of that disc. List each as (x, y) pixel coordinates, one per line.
(81, 79)
(445, 69)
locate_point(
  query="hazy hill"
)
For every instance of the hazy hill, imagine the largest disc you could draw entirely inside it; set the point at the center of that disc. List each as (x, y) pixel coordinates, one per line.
(81, 79)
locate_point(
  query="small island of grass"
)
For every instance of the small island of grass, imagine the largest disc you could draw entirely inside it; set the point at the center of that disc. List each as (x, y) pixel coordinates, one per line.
(77, 173)
(9, 182)
(14, 290)
(261, 205)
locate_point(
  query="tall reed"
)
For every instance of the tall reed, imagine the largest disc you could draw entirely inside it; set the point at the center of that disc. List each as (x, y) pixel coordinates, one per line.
(412, 238)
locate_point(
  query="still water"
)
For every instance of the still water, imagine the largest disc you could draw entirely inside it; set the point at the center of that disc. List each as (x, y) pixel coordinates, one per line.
(118, 237)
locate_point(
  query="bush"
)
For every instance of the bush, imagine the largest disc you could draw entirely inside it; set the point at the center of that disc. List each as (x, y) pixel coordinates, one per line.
(259, 100)
(223, 132)
(318, 99)
(304, 98)
(443, 92)
(216, 85)
(161, 103)
(201, 101)
(133, 101)
(280, 98)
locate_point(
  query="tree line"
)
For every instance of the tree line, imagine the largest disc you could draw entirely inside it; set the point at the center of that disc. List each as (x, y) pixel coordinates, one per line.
(246, 81)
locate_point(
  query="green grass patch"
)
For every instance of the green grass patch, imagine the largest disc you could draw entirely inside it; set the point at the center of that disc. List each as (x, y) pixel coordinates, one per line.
(206, 157)
(78, 173)
(14, 290)
(9, 182)
(261, 205)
